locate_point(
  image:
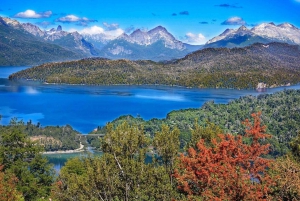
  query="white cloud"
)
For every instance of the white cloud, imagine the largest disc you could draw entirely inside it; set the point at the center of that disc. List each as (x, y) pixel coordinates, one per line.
(92, 30)
(234, 21)
(195, 39)
(112, 26)
(73, 18)
(68, 18)
(106, 34)
(33, 14)
(113, 33)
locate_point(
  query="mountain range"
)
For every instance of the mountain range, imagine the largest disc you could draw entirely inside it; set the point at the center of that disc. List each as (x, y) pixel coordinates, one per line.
(263, 33)
(156, 44)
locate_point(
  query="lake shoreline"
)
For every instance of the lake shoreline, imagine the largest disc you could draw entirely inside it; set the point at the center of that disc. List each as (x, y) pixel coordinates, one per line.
(80, 149)
(259, 89)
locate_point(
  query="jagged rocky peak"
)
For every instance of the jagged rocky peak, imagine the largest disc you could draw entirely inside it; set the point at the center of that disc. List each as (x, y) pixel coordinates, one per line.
(123, 36)
(76, 35)
(159, 33)
(285, 32)
(243, 28)
(59, 28)
(33, 29)
(136, 32)
(159, 28)
(223, 35)
(10, 22)
(227, 31)
(287, 25)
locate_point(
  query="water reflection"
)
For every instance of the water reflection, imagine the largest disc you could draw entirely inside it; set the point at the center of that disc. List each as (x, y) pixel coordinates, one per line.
(59, 160)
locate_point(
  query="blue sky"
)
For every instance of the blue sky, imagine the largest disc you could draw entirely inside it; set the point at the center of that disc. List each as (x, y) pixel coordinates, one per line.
(193, 21)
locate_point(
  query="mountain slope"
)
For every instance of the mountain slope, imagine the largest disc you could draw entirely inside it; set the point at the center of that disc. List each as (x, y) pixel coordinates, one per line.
(157, 45)
(274, 64)
(71, 41)
(18, 47)
(120, 49)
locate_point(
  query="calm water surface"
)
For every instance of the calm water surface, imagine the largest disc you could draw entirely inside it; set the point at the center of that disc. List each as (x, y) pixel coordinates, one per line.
(86, 107)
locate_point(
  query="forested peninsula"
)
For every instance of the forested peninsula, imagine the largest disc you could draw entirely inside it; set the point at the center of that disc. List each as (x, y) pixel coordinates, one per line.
(280, 113)
(51, 138)
(275, 64)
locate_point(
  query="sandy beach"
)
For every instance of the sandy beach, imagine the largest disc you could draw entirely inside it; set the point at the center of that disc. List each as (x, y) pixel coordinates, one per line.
(80, 149)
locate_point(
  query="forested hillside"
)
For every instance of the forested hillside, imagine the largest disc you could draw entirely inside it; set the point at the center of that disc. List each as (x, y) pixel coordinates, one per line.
(275, 65)
(52, 138)
(19, 48)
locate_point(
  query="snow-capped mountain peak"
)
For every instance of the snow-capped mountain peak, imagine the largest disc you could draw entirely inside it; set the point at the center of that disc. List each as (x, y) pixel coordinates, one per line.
(287, 26)
(243, 28)
(146, 38)
(285, 32)
(10, 22)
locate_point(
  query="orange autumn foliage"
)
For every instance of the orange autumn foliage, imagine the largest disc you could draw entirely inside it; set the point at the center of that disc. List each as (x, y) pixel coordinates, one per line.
(229, 169)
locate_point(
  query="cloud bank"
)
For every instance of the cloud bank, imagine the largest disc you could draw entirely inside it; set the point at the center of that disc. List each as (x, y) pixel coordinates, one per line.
(73, 18)
(106, 34)
(112, 26)
(234, 21)
(33, 15)
(225, 5)
(195, 39)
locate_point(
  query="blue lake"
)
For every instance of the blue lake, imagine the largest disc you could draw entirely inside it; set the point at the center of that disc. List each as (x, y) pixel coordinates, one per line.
(86, 107)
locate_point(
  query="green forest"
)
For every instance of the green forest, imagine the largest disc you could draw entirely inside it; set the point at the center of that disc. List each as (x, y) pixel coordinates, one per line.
(239, 68)
(52, 138)
(214, 166)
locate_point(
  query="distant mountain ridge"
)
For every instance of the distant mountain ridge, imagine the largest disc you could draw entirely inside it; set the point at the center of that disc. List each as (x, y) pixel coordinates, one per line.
(152, 36)
(71, 41)
(156, 44)
(263, 33)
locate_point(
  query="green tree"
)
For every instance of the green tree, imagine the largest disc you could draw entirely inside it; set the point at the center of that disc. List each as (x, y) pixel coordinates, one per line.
(207, 133)
(286, 174)
(167, 144)
(120, 174)
(295, 147)
(22, 158)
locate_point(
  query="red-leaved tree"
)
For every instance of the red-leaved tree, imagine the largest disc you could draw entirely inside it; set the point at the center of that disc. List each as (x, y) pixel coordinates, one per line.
(229, 169)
